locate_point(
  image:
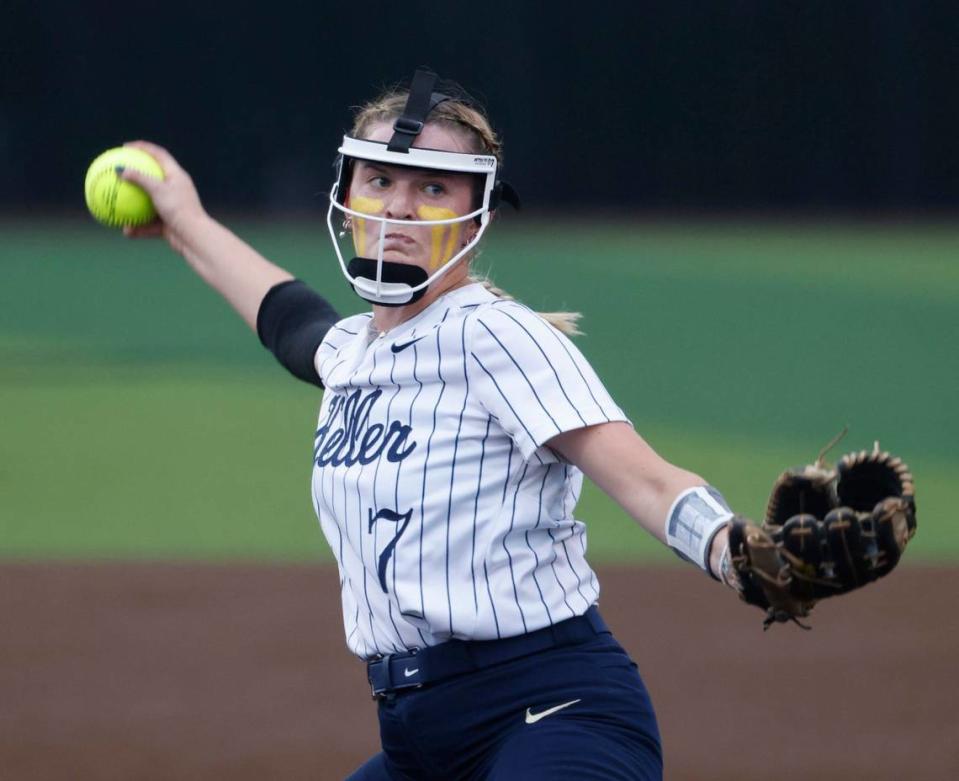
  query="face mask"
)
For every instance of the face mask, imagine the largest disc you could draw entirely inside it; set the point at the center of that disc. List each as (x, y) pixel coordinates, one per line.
(388, 283)
(360, 250)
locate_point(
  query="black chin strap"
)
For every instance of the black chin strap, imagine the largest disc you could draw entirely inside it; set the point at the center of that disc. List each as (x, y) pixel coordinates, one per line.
(421, 101)
(392, 272)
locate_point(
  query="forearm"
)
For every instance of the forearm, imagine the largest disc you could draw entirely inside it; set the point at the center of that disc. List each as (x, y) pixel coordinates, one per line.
(627, 469)
(645, 496)
(650, 508)
(647, 486)
(228, 264)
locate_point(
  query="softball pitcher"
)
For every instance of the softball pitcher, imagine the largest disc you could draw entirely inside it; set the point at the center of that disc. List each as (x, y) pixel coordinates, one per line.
(455, 429)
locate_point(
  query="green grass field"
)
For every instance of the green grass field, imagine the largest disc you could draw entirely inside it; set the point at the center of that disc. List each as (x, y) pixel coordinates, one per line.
(142, 419)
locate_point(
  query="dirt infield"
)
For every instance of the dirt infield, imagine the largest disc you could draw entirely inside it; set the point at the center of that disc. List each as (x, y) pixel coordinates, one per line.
(175, 671)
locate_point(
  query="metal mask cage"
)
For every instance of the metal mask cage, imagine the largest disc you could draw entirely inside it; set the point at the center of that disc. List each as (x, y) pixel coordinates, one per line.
(377, 289)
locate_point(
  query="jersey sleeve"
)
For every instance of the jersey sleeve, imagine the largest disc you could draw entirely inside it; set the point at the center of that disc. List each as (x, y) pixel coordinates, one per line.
(339, 336)
(532, 378)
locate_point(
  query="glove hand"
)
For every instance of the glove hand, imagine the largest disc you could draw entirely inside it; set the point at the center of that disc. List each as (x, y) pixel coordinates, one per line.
(826, 532)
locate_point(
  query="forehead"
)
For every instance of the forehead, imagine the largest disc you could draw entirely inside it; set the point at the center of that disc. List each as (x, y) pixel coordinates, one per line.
(432, 136)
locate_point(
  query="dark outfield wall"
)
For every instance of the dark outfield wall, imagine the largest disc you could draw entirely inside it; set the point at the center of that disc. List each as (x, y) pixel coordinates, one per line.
(672, 103)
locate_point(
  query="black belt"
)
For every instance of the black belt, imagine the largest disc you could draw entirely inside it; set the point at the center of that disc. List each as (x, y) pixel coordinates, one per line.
(420, 666)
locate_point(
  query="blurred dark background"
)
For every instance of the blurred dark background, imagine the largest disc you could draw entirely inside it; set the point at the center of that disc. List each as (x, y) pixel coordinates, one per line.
(737, 105)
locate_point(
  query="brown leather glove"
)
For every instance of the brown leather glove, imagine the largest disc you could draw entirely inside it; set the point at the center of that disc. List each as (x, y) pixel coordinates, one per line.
(827, 531)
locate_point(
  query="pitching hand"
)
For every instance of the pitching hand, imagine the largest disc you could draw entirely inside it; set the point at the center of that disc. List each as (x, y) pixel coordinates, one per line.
(175, 199)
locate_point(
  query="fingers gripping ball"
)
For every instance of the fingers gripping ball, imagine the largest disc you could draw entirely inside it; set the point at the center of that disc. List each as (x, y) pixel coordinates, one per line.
(827, 531)
(113, 201)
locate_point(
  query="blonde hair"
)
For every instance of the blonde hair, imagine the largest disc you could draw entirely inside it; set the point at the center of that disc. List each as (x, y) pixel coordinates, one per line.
(467, 117)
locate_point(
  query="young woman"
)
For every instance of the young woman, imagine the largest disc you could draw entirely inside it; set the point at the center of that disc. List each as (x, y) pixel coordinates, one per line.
(453, 435)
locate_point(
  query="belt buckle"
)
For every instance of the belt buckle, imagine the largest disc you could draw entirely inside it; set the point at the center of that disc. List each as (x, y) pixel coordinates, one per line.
(380, 675)
(416, 683)
(376, 664)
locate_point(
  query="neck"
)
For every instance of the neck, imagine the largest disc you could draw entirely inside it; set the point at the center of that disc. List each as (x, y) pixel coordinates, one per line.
(387, 317)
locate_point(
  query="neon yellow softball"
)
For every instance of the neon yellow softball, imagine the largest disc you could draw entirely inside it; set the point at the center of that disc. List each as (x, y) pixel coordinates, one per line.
(113, 201)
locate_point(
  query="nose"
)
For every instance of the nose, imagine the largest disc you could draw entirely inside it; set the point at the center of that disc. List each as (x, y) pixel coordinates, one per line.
(400, 205)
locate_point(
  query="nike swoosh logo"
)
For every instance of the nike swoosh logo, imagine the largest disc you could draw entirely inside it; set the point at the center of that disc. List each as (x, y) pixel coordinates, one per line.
(398, 348)
(532, 718)
(407, 672)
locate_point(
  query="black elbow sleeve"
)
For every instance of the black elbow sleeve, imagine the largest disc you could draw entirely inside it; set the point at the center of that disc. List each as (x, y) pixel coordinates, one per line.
(291, 323)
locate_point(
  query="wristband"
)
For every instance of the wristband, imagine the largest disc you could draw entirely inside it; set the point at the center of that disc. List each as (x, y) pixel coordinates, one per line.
(696, 516)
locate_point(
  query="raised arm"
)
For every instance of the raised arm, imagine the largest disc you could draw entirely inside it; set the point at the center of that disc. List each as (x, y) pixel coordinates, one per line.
(644, 484)
(225, 262)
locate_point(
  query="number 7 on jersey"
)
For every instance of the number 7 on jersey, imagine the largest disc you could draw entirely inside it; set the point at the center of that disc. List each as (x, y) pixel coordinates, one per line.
(395, 517)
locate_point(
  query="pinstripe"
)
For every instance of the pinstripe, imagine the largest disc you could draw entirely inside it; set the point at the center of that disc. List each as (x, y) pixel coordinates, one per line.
(552, 550)
(339, 534)
(522, 373)
(512, 521)
(476, 495)
(331, 345)
(491, 603)
(594, 584)
(399, 466)
(569, 561)
(575, 574)
(332, 371)
(559, 382)
(360, 544)
(579, 371)
(367, 316)
(412, 407)
(456, 442)
(396, 488)
(426, 462)
(505, 397)
(561, 342)
(535, 579)
(533, 551)
(349, 580)
(552, 565)
(399, 643)
(509, 462)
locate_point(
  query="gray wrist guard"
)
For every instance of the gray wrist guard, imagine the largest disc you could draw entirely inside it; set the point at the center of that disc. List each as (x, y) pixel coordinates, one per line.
(695, 517)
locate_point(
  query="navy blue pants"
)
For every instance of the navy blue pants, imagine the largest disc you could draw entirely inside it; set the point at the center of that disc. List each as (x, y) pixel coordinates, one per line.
(503, 723)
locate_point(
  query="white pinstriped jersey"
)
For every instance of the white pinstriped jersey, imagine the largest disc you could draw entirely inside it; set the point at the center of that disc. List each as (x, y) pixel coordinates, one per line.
(447, 516)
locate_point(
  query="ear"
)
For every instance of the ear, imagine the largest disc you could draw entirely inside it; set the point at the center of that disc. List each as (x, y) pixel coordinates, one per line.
(473, 228)
(469, 232)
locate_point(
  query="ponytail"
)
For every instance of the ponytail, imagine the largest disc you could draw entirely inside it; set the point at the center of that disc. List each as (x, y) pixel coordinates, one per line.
(566, 322)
